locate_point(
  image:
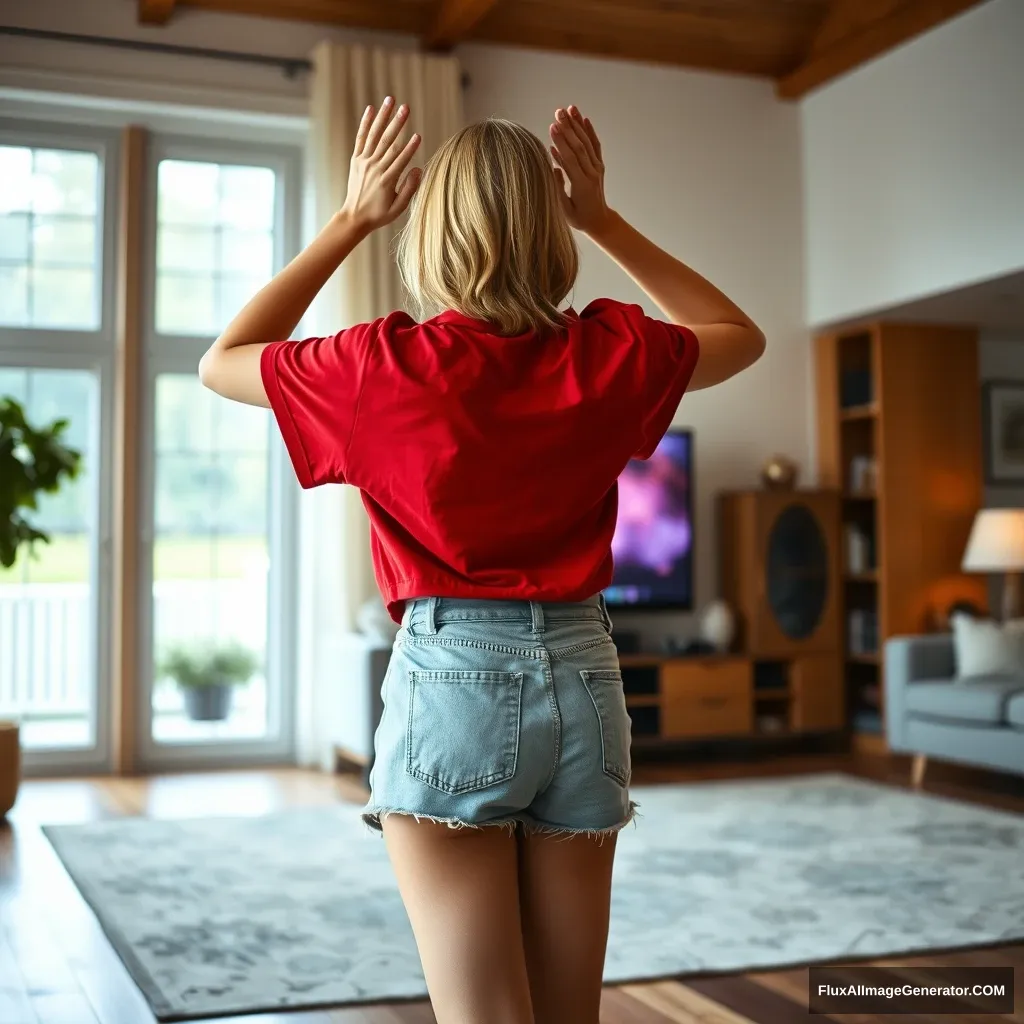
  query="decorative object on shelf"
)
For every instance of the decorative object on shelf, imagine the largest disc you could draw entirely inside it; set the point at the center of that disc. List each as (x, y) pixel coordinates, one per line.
(718, 626)
(374, 622)
(10, 766)
(860, 555)
(207, 674)
(863, 475)
(996, 545)
(1003, 426)
(780, 473)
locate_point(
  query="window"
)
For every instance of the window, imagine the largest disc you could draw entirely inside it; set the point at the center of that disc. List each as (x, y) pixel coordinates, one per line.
(211, 549)
(50, 238)
(48, 633)
(215, 242)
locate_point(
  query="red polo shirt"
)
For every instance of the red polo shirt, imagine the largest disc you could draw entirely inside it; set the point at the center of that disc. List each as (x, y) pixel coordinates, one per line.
(487, 464)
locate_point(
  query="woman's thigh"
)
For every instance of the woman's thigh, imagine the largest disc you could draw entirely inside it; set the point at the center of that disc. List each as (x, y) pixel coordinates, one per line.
(460, 889)
(565, 899)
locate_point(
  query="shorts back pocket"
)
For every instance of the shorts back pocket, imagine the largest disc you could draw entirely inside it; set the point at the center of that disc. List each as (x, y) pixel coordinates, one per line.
(605, 689)
(463, 731)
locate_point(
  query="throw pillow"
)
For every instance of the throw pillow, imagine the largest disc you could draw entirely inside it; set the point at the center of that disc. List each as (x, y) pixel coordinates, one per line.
(987, 648)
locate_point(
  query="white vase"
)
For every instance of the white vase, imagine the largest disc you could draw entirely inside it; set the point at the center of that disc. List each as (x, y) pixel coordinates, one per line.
(718, 625)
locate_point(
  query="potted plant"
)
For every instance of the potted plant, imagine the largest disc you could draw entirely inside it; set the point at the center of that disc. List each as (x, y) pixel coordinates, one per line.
(33, 461)
(207, 675)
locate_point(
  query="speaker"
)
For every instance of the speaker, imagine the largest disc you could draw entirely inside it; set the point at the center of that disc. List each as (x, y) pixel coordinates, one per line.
(781, 569)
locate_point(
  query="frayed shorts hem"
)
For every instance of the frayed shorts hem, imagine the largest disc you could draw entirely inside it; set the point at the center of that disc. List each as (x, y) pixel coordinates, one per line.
(374, 816)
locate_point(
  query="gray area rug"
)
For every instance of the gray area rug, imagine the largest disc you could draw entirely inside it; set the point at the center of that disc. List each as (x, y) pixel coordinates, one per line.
(224, 915)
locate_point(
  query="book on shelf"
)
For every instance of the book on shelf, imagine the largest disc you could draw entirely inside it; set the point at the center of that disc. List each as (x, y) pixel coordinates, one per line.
(863, 631)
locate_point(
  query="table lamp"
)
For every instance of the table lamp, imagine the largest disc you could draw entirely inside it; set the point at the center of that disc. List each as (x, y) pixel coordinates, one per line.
(996, 545)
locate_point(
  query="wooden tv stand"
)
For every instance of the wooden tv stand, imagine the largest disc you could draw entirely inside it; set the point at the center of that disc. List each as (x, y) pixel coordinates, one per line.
(674, 699)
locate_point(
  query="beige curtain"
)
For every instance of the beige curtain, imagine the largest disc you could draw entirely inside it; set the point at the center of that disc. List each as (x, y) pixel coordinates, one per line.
(336, 573)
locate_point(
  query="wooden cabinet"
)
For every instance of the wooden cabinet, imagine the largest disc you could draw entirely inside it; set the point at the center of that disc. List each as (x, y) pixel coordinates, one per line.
(673, 700)
(706, 698)
(816, 702)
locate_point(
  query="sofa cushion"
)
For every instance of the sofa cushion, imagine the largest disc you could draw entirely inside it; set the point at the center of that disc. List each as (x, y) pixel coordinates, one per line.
(986, 648)
(1015, 711)
(982, 701)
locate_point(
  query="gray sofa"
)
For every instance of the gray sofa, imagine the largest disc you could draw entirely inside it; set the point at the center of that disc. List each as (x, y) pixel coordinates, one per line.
(930, 714)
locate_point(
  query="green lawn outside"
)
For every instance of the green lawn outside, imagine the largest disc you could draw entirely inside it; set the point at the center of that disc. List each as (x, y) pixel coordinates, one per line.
(66, 559)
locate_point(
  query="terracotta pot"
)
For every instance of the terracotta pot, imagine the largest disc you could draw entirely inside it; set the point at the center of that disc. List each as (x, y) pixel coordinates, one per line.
(10, 766)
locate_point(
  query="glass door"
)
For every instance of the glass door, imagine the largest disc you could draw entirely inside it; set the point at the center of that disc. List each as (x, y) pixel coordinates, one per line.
(56, 357)
(220, 498)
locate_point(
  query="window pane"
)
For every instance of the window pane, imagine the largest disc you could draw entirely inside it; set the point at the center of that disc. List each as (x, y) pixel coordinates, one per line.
(14, 296)
(50, 253)
(185, 304)
(65, 182)
(247, 197)
(61, 297)
(16, 174)
(187, 248)
(186, 192)
(14, 237)
(64, 240)
(47, 602)
(210, 558)
(215, 243)
(248, 252)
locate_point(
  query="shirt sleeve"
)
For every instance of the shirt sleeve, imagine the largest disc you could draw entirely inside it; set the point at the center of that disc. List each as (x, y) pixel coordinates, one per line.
(665, 358)
(314, 387)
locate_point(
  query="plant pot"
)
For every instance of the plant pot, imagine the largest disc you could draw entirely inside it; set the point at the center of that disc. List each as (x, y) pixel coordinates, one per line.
(10, 766)
(208, 703)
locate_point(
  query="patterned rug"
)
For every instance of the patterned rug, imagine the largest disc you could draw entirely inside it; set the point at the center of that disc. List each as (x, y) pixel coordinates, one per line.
(299, 910)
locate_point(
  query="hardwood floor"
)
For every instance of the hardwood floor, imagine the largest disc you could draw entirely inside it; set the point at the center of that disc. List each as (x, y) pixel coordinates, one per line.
(56, 966)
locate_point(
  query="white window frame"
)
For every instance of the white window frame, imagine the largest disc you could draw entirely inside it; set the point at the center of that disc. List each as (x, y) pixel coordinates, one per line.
(166, 353)
(46, 348)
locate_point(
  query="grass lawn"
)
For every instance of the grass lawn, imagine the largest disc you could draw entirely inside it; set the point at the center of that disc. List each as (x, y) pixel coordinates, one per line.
(67, 559)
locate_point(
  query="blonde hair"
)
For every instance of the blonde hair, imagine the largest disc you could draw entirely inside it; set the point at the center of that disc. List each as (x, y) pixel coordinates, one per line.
(487, 235)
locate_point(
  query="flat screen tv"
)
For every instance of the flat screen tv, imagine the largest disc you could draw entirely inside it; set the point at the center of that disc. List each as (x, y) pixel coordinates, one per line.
(653, 542)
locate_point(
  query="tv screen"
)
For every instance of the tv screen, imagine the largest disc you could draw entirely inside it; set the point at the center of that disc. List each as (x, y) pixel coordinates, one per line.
(653, 542)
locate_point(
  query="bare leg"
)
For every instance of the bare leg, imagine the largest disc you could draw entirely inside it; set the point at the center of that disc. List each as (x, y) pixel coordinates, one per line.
(460, 889)
(917, 770)
(565, 895)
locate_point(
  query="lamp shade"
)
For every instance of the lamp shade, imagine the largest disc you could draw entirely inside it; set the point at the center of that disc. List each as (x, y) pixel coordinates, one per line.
(996, 543)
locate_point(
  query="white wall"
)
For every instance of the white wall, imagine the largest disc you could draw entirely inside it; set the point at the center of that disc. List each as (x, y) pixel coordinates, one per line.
(708, 165)
(913, 168)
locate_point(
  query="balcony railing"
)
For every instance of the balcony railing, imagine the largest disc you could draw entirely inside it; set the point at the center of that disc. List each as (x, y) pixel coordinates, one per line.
(47, 636)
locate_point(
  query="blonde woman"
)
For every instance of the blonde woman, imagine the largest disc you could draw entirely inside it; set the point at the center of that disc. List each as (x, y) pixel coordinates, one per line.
(487, 441)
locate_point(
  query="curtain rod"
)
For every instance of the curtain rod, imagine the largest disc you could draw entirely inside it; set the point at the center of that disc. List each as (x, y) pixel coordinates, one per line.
(291, 67)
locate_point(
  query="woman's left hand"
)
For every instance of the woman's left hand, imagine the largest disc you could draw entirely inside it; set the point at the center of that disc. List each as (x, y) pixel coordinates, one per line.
(377, 192)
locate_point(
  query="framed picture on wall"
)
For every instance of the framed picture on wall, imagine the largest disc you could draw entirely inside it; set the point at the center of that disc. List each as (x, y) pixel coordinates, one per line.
(1003, 431)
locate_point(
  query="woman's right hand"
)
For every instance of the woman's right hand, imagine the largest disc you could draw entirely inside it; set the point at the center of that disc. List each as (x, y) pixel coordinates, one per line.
(577, 155)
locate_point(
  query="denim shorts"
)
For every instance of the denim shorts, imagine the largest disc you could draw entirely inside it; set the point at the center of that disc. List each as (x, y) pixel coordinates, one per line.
(504, 713)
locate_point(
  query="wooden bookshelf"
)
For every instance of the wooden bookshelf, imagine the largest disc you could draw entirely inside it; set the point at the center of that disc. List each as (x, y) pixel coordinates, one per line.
(899, 436)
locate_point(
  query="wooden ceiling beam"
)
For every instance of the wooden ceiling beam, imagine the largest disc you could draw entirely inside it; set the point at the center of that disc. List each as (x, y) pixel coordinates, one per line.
(454, 21)
(848, 39)
(155, 12)
(410, 17)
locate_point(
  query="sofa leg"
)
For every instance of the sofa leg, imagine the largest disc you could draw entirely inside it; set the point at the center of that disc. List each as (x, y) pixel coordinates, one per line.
(917, 770)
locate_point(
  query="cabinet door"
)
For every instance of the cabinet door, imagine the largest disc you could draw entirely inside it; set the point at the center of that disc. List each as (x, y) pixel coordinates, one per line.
(706, 699)
(817, 686)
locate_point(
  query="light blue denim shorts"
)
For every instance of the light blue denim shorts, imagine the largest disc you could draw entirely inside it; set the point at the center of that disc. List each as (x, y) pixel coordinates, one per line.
(504, 713)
